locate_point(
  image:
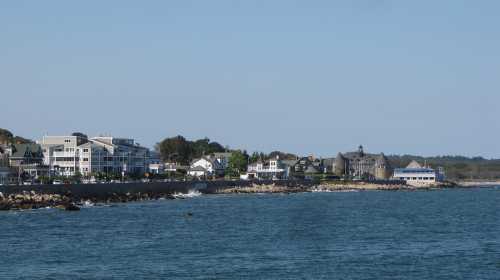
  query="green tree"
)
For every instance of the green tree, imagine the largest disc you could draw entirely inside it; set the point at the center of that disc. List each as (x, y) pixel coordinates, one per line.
(6, 137)
(181, 150)
(238, 162)
(205, 147)
(256, 156)
(175, 149)
(282, 155)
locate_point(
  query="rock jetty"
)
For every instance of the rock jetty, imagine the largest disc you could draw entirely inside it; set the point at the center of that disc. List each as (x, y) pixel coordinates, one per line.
(32, 200)
(264, 188)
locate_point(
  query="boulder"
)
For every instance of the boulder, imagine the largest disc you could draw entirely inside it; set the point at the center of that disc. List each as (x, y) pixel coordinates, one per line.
(5, 206)
(71, 207)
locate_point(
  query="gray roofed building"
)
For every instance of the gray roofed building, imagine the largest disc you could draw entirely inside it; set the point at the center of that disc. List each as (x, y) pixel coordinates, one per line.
(362, 165)
(25, 154)
(27, 159)
(222, 158)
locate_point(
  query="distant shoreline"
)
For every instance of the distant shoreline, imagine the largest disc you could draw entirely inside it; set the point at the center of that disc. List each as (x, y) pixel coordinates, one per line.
(478, 183)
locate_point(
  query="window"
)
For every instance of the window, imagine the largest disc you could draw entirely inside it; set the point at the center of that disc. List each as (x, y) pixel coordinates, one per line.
(67, 141)
(66, 159)
(85, 159)
(85, 150)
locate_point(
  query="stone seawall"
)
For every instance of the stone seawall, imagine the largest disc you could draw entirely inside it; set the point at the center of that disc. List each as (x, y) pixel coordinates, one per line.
(104, 191)
(69, 196)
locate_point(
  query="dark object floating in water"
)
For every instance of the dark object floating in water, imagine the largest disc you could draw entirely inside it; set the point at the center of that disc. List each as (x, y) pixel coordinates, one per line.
(189, 214)
(72, 207)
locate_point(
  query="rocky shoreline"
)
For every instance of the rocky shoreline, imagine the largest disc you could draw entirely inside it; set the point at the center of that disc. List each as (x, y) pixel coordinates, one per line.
(479, 183)
(32, 200)
(327, 187)
(66, 201)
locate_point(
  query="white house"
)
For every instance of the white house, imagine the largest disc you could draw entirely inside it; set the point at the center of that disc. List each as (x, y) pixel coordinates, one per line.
(416, 175)
(270, 169)
(197, 171)
(205, 167)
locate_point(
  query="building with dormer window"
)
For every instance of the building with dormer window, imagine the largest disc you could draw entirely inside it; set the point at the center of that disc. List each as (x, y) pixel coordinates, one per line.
(362, 165)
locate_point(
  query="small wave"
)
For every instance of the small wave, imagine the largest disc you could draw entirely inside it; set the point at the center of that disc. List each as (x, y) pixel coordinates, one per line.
(87, 204)
(190, 194)
(331, 191)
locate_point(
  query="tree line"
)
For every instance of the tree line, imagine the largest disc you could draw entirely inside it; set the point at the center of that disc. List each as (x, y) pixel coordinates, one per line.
(7, 137)
(455, 167)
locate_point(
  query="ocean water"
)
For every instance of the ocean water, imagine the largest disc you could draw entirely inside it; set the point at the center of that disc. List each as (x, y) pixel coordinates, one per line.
(445, 234)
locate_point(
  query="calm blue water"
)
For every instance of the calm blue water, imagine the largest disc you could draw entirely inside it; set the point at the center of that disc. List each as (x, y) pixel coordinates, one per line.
(448, 234)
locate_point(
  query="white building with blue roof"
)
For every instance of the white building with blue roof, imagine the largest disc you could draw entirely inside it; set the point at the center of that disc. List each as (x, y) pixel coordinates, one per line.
(416, 175)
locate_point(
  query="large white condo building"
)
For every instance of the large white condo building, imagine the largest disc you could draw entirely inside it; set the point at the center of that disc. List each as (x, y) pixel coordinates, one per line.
(416, 175)
(68, 155)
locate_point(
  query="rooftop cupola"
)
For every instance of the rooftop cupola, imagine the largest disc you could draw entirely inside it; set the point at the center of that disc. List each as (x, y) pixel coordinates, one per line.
(360, 150)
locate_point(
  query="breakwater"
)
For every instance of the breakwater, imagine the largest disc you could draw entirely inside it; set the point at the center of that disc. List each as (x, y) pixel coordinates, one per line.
(32, 200)
(69, 196)
(103, 191)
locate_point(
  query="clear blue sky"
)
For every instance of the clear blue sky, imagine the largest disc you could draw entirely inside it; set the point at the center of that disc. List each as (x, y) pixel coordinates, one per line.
(417, 77)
